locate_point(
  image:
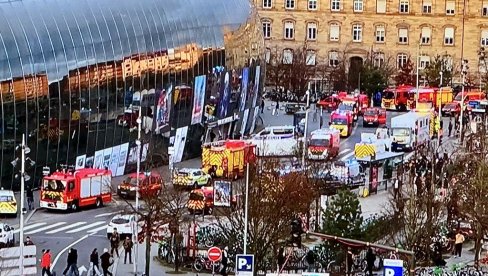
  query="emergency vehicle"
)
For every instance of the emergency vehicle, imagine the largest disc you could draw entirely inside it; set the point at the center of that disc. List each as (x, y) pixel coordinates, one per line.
(8, 204)
(438, 97)
(396, 98)
(469, 96)
(202, 201)
(276, 141)
(149, 184)
(373, 143)
(374, 116)
(342, 121)
(410, 130)
(350, 104)
(186, 177)
(70, 190)
(329, 103)
(363, 103)
(323, 144)
(348, 172)
(227, 159)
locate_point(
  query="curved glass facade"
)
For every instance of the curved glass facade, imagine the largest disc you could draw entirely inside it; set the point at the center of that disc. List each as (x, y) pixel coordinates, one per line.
(74, 75)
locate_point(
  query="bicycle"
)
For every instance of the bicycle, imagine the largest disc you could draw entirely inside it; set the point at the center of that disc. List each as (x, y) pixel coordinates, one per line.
(202, 263)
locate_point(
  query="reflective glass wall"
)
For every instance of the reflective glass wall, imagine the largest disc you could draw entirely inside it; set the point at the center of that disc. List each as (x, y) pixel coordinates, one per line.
(74, 76)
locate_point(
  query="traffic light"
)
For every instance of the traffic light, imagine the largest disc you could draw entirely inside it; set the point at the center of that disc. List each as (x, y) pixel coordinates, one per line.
(296, 232)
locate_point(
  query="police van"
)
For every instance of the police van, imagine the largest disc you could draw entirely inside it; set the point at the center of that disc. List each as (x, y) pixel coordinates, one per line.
(8, 204)
(276, 141)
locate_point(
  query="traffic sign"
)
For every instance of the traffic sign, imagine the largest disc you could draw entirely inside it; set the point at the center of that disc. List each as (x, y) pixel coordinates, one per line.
(393, 267)
(244, 265)
(214, 254)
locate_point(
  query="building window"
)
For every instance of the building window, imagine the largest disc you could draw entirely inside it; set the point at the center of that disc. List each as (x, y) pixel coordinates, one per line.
(381, 6)
(311, 31)
(287, 56)
(403, 36)
(449, 36)
(427, 6)
(425, 35)
(289, 30)
(335, 5)
(484, 10)
(311, 57)
(484, 38)
(289, 4)
(334, 32)
(380, 34)
(404, 6)
(267, 29)
(357, 33)
(267, 55)
(402, 59)
(424, 61)
(333, 58)
(267, 4)
(379, 59)
(450, 7)
(358, 5)
(312, 5)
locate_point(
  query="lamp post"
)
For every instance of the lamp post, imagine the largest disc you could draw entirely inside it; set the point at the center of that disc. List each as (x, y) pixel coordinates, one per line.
(138, 171)
(439, 101)
(304, 152)
(464, 72)
(482, 62)
(246, 208)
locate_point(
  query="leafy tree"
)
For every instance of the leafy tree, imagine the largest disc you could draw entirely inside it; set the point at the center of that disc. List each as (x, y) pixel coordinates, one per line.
(405, 74)
(343, 216)
(374, 78)
(433, 72)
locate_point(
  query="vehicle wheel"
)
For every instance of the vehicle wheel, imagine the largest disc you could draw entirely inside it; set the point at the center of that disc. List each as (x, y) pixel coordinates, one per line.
(198, 266)
(99, 203)
(74, 207)
(209, 211)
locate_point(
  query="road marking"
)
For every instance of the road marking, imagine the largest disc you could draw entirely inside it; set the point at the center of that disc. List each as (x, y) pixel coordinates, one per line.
(97, 229)
(344, 151)
(66, 227)
(108, 214)
(347, 156)
(86, 227)
(45, 228)
(30, 226)
(66, 248)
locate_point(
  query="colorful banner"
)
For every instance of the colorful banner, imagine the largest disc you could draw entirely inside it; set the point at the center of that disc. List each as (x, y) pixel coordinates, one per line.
(224, 95)
(80, 162)
(244, 85)
(163, 110)
(254, 118)
(179, 144)
(222, 193)
(89, 162)
(98, 163)
(255, 90)
(198, 99)
(124, 148)
(114, 160)
(244, 121)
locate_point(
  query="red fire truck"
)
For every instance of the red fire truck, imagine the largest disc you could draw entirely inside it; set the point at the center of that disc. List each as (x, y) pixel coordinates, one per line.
(70, 190)
(396, 98)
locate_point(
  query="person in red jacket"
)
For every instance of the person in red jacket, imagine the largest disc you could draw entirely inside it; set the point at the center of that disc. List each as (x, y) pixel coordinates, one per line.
(46, 263)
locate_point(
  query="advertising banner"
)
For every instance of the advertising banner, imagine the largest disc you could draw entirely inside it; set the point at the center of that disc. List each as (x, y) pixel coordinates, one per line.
(89, 162)
(98, 163)
(124, 149)
(179, 144)
(255, 90)
(222, 193)
(198, 99)
(163, 110)
(244, 85)
(114, 160)
(80, 162)
(254, 118)
(145, 148)
(107, 157)
(132, 159)
(224, 95)
(244, 121)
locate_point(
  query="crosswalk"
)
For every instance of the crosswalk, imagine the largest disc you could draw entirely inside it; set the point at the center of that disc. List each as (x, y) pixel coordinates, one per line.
(44, 228)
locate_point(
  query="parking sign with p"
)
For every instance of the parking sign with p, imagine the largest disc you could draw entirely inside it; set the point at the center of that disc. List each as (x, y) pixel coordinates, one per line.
(244, 265)
(393, 267)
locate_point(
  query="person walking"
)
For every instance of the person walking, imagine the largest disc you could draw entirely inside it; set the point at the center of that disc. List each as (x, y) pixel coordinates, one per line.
(114, 242)
(458, 244)
(71, 266)
(46, 262)
(262, 106)
(310, 258)
(106, 262)
(370, 259)
(396, 188)
(449, 128)
(128, 249)
(30, 198)
(225, 261)
(315, 114)
(277, 108)
(95, 269)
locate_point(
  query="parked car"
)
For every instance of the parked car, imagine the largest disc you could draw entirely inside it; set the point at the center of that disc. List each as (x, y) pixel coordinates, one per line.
(451, 109)
(125, 225)
(149, 184)
(7, 237)
(194, 178)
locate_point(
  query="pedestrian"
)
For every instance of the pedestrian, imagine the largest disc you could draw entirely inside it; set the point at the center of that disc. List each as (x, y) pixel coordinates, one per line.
(281, 258)
(349, 261)
(94, 263)
(114, 242)
(106, 262)
(450, 127)
(128, 249)
(370, 259)
(46, 262)
(310, 258)
(396, 188)
(315, 115)
(225, 261)
(30, 198)
(262, 106)
(277, 108)
(321, 121)
(71, 263)
(458, 244)
(28, 241)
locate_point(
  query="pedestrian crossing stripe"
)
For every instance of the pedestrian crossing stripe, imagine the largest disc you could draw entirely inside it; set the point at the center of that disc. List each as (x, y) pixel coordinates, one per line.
(73, 225)
(43, 228)
(86, 227)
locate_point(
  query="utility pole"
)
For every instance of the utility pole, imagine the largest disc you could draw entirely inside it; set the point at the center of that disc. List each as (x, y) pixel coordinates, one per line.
(246, 209)
(464, 72)
(439, 101)
(138, 172)
(304, 152)
(22, 199)
(418, 69)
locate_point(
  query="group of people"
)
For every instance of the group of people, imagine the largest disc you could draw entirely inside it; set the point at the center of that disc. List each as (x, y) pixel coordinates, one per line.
(104, 261)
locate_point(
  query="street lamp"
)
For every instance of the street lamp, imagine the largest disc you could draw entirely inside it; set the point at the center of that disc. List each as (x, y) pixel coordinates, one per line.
(464, 73)
(138, 143)
(304, 152)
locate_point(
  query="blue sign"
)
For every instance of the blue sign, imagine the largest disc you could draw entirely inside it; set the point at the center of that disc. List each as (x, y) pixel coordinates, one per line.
(244, 265)
(393, 267)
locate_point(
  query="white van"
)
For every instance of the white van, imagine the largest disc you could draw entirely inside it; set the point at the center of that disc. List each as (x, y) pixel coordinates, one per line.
(276, 141)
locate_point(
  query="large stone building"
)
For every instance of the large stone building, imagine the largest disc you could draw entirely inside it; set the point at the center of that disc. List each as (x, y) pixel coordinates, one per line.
(394, 30)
